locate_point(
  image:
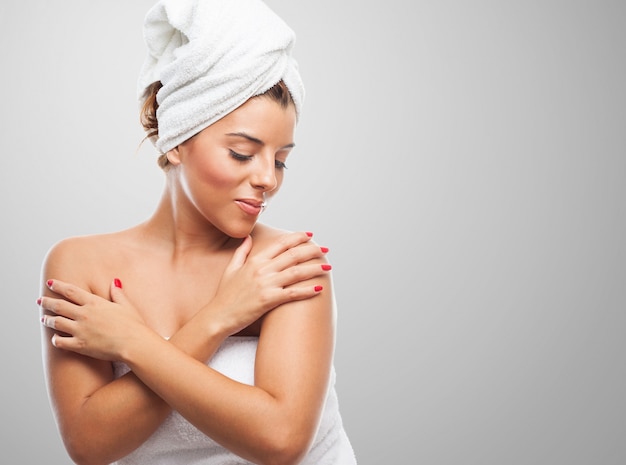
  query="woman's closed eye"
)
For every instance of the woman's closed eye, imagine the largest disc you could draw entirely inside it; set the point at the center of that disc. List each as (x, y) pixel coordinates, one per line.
(240, 157)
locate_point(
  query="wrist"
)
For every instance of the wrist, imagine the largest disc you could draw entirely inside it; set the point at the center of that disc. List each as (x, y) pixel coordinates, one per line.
(212, 323)
(139, 345)
(201, 336)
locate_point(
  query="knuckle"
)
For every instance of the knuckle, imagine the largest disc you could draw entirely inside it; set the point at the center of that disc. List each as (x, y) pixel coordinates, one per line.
(80, 344)
(284, 240)
(292, 273)
(308, 252)
(257, 275)
(292, 254)
(265, 300)
(70, 292)
(52, 305)
(291, 293)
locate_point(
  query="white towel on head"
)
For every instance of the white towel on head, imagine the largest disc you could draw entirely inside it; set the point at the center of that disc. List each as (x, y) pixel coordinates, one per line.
(212, 56)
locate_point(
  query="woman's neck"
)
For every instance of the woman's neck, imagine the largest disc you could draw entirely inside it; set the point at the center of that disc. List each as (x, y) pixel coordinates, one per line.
(184, 233)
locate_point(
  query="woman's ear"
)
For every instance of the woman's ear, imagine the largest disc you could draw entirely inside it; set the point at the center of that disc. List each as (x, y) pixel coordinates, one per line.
(173, 156)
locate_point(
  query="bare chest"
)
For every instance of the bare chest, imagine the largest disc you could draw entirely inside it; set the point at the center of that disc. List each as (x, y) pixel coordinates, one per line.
(165, 296)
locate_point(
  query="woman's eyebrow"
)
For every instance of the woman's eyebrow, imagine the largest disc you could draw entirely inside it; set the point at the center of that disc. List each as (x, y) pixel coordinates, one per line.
(246, 136)
(255, 140)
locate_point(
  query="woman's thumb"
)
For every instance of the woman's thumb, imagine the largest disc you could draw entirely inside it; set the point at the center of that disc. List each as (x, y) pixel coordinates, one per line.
(117, 294)
(240, 255)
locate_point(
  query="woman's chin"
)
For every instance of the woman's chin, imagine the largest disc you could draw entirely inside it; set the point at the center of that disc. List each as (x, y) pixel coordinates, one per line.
(241, 232)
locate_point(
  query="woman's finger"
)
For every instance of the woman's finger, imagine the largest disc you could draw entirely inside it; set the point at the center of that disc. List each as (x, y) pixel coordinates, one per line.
(65, 342)
(240, 255)
(290, 294)
(59, 323)
(303, 272)
(286, 242)
(299, 254)
(59, 307)
(69, 291)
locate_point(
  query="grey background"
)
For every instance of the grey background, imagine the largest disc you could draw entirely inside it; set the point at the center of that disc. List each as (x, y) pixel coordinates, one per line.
(464, 161)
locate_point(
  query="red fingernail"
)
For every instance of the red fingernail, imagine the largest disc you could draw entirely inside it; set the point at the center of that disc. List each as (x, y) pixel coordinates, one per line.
(318, 288)
(327, 267)
(324, 249)
(117, 283)
(39, 301)
(49, 283)
(310, 234)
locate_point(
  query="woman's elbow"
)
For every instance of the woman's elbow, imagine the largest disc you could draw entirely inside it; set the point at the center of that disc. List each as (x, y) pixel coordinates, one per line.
(84, 452)
(285, 448)
(81, 455)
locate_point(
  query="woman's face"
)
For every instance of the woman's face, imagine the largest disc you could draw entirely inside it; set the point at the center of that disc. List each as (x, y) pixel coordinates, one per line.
(228, 170)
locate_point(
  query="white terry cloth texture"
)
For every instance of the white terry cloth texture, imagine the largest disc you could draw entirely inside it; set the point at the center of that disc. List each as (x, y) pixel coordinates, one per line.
(177, 441)
(212, 56)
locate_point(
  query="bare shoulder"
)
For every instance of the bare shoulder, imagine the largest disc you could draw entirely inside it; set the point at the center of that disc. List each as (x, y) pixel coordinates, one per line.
(71, 246)
(265, 236)
(75, 259)
(82, 247)
(264, 233)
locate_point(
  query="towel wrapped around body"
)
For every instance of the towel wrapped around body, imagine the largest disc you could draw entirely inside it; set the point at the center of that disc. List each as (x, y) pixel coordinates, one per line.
(178, 442)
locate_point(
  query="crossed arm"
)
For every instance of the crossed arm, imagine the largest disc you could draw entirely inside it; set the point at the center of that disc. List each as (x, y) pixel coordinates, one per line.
(103, 419)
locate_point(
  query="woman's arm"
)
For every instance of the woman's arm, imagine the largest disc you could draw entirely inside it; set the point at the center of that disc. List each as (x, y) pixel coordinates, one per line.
(102, 419)
(272, 422)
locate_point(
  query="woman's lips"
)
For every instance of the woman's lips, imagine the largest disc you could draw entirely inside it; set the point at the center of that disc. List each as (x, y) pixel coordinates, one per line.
(251, 207)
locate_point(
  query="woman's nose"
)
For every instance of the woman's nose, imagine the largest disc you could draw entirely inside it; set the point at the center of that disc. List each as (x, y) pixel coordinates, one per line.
(263, 174)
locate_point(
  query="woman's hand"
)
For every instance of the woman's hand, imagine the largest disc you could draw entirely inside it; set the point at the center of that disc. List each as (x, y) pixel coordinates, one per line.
(250, 286)
(253, 285)
(88, 324)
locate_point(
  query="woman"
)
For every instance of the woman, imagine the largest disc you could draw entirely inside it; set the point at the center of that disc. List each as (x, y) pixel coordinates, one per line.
(200, 336)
